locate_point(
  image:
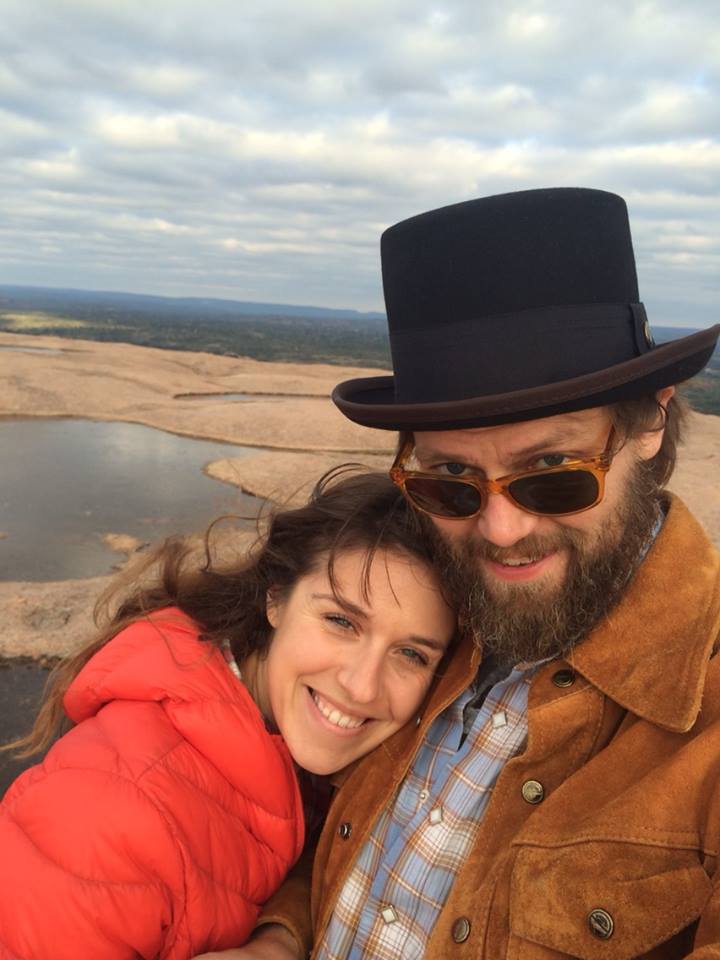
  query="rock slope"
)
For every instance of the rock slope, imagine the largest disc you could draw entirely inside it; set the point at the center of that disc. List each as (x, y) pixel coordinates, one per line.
(290, 419)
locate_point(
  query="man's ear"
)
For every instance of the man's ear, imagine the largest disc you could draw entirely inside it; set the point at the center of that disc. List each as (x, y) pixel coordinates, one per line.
(649, 443)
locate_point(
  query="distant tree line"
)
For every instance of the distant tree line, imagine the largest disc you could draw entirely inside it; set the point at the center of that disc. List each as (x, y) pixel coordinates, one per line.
(236, 328)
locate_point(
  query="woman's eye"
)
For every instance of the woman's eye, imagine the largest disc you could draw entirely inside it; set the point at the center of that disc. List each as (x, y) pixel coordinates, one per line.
(410, 653)
(338, 620)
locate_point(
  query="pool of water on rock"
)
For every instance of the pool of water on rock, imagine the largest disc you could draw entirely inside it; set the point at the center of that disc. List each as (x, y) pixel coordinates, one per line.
(26, 349)
(65, 482)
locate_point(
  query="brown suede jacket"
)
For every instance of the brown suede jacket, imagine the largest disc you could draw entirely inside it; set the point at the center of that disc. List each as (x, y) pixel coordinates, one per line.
(618, 857)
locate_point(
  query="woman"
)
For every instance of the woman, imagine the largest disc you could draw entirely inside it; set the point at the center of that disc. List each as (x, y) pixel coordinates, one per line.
(159, 824)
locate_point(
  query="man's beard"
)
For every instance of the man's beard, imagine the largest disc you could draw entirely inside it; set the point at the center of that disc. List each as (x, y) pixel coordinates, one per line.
(524, 623)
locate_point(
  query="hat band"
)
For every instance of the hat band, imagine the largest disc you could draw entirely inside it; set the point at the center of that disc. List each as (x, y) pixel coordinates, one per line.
(459, 360)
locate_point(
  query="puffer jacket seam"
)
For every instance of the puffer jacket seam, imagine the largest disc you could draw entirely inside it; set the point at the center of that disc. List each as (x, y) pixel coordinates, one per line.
(110, 774)
(10, 955)
(286, 818)
(289, 819)
(73, 873)
(242, 894)
(172, 828)
(262, 842)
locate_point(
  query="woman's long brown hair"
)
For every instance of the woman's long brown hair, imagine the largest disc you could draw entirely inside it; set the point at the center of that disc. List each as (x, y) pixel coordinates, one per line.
(363, 511)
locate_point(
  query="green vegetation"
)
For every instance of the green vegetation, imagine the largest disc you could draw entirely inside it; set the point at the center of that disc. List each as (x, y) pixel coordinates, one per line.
(38, 322)
(214, 326)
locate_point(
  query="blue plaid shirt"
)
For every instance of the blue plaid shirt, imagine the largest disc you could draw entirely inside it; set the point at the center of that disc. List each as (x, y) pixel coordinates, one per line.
(392, 898)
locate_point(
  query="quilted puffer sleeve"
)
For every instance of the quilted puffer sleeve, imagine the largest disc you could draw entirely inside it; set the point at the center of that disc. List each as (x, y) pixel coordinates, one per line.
(88, 869)
(290, 906)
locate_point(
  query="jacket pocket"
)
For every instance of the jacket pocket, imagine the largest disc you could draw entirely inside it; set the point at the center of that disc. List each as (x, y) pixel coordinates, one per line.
(602, 900)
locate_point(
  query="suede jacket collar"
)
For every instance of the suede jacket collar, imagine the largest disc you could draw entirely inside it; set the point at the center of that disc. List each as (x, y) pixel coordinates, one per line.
(651, 654)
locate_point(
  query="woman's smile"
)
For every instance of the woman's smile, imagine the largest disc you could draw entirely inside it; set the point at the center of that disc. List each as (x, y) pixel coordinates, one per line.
(335, 716)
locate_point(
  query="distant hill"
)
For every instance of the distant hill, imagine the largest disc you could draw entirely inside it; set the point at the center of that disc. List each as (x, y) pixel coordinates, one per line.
(56, 299)
(265, 331)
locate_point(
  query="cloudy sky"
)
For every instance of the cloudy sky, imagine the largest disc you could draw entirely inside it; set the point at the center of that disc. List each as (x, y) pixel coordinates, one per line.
(255, 149)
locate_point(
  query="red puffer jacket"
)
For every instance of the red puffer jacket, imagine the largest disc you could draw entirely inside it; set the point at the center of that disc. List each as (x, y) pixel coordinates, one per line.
(157, 826)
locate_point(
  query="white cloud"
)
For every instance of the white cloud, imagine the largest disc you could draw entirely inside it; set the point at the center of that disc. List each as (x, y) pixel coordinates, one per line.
(133, 132)
(242, 150)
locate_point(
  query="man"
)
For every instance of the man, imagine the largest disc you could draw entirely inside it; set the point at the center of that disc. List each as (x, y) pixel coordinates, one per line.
(560, 793)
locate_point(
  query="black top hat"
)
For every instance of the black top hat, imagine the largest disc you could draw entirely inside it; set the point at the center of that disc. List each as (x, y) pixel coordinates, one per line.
(514, 307)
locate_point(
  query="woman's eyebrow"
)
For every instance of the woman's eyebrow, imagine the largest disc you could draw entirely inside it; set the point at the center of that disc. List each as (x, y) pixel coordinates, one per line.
(359, 612)
(430, 644)
(341, 601)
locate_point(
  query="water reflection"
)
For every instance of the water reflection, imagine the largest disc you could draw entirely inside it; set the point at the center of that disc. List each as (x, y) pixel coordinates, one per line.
(64, 483)
(12, 346)
(237, 397)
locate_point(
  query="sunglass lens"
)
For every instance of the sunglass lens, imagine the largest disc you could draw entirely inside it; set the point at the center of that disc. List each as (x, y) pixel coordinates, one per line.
(556, 493)
(443, 498)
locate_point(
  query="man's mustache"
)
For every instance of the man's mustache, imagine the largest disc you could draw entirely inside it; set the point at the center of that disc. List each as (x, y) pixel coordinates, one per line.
(531, 547)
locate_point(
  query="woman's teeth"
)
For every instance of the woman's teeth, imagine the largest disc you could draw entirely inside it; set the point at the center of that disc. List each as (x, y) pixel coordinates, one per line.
(335, 716)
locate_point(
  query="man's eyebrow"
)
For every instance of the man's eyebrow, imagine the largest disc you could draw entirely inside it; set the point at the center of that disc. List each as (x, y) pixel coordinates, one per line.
(560, 443)
(444, 456)
(556, 442)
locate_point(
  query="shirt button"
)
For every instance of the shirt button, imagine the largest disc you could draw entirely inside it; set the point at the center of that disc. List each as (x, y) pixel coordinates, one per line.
(498, 720)
(389, 915)
(563, 678)
(460, 930)
(601, 923)
(344, 830)
(423, 795)
(533, 791)
(436, 815)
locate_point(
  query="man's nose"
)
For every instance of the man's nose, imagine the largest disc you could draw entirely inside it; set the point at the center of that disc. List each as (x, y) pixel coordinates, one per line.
(360, 675)
(503, 523)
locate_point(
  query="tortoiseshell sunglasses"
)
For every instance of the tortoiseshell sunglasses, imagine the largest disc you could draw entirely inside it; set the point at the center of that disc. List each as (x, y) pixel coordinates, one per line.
(559, 491)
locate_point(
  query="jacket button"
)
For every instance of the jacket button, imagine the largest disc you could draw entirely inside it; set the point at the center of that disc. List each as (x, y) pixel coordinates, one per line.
(563, 678)
(344, 830)
(460, 930)
(533, 791)
(601, 924)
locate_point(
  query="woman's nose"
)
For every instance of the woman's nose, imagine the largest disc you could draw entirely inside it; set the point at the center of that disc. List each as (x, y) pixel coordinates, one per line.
(360, 675)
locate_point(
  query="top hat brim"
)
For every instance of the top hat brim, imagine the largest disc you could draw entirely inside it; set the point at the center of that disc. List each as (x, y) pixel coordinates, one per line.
(371, 401)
